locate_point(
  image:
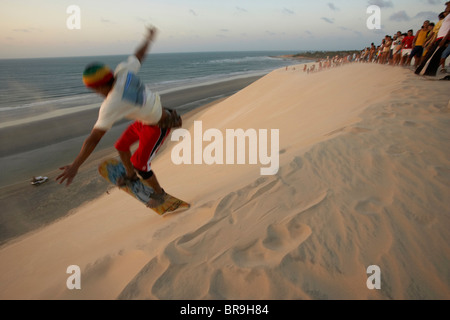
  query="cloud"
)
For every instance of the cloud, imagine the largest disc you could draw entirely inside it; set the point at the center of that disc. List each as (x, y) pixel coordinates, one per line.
(141, 19)
(381, 3)
(309, 33)
(27, 30)
(358, 33)
(381, 31)
(435, 2)
(400, 16)
(332, 7)
(193, 13)
(427, 15)
(241, 10)
(327, 20)
(287, 11)
(423, 15)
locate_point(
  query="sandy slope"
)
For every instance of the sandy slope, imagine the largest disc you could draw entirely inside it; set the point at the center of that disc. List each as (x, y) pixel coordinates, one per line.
(364, 180)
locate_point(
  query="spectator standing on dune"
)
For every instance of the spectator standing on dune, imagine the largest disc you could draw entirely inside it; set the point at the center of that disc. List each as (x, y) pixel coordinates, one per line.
(407, 47)
(418, 43)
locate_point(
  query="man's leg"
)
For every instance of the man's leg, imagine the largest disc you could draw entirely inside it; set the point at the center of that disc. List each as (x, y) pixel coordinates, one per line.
(125, 156)
(149, 179)
(151, 138)
(425, 59)
(435, 62)
(123, 145)
(444, 57)
(159, 196)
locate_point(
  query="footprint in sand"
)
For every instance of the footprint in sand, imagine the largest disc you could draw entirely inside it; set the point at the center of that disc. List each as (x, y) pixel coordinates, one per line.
(236, 200)
(410, 124)
(395, 149)
(357, 130)
(369, 206)
(388, 114)
(297, 163)
(280, 239)
(225, 211)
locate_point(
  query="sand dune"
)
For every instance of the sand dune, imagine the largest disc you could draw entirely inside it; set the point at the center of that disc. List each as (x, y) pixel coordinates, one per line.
(364, 180)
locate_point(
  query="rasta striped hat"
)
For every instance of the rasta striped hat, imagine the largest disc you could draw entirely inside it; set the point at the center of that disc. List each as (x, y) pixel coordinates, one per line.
(97, 74)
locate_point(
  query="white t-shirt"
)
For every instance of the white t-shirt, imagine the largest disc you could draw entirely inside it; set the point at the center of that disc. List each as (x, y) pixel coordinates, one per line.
(444, 27)
(129, 98)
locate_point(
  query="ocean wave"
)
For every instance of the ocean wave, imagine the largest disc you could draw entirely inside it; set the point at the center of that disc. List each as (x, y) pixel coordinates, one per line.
(64, 102)
(176, 85)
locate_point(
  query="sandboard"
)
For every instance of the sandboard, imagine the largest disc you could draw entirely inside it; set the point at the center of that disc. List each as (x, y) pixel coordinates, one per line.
(112, 169)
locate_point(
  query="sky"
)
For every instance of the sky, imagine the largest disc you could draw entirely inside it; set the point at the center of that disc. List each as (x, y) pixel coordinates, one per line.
(39, 28)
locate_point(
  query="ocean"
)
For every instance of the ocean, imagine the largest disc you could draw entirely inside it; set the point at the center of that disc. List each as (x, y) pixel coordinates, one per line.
(30, 87)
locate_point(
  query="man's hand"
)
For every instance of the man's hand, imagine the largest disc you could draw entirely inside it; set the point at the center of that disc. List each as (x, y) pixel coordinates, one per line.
(152, 32)
(170, 119)
(444, 40)
(89, 145)
(142, 50)
(69, 173)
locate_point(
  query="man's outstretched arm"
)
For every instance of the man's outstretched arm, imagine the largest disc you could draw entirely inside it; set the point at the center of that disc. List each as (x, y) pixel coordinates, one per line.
(142, 50)
(70, 171)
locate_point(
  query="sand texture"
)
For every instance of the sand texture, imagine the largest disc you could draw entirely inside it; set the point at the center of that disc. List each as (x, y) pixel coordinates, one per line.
(363, 179)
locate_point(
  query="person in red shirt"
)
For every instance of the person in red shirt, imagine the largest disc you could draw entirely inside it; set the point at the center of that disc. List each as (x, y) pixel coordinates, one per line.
(407, 44)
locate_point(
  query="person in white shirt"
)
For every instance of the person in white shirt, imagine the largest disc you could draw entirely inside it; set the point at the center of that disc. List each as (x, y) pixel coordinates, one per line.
(126, 96)
(433, 57)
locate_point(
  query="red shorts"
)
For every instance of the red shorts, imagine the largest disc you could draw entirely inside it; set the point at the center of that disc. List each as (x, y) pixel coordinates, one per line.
(150, 138)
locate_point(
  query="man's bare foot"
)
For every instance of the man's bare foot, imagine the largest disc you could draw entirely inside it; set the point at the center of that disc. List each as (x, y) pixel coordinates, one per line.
(122, 181)
(157, 199)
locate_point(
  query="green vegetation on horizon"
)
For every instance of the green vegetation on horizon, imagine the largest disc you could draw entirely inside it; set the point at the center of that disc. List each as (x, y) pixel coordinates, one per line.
(325, 54)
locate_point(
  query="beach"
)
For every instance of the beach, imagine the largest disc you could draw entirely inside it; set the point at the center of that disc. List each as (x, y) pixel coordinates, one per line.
(363, 180)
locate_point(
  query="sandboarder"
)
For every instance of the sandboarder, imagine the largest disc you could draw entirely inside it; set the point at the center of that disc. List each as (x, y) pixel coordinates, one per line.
(127, 97)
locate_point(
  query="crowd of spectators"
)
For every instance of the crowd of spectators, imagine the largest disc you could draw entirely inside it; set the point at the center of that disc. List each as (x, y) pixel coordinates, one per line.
(427, 47)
